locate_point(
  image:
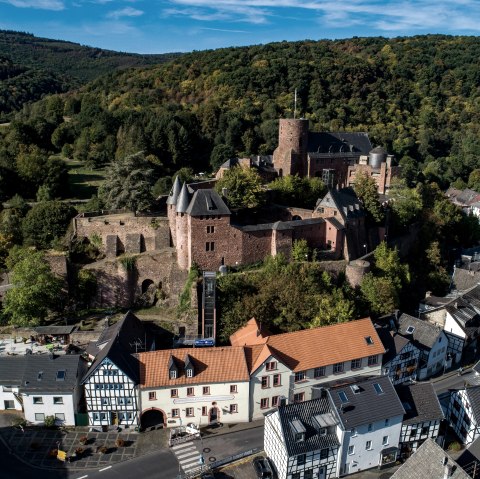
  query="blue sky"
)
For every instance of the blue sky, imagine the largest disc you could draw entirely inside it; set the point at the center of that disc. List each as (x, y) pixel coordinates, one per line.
(159, 26)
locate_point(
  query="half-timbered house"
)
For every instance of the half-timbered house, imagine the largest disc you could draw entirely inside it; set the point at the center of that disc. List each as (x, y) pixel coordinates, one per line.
(464, 413)
(111, 383)
(301, 439)
(423, 415)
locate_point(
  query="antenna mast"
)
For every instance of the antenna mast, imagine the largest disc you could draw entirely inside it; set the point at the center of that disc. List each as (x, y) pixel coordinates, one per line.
(295, 109)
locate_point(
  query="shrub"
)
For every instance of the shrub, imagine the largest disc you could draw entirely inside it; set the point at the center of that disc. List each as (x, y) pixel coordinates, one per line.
(49, 421)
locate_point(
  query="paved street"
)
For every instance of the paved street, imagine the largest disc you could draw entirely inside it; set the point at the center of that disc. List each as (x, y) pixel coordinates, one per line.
(450, 381)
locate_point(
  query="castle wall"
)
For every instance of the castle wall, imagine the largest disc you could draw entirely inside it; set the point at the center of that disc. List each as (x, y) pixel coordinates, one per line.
(256, 245)
(314, 234)
(154, 231)
(318, 163)
(282, 242)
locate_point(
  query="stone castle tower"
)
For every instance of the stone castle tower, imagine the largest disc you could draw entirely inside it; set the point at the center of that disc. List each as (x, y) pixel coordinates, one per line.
(290, 157)
(171, 209)
(178, 202)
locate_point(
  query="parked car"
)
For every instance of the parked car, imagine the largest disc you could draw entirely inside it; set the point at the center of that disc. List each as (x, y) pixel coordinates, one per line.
(262, 467)
(208, 475)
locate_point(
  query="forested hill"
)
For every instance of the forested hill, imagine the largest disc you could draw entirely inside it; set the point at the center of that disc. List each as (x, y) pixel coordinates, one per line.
(31, 67)
(417, 96)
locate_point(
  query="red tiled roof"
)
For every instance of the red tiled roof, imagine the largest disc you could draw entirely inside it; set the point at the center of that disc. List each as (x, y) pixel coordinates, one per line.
(251, 333)
(211, 365)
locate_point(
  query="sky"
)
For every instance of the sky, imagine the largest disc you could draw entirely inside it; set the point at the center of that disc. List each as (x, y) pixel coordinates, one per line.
(162, 26)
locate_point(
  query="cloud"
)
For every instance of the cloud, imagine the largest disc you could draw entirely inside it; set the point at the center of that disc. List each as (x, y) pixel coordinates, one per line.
(112, 27)
(223, 30)
(385, 15)
(125, 12)
(55, 5)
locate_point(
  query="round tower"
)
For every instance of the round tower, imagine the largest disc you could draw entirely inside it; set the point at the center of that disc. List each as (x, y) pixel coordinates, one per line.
(171, 209)
(355, 272)
(181, 227)
(290, 157)
(376, 157)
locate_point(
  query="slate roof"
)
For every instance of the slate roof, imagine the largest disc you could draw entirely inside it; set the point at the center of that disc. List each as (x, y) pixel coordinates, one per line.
(345, 200)
(366, 406)
(41, 373)
(11, 370)
(420, 403)
(175, 191)
(393, 343)
(182, 200)
(211, 365)
(282, 225)
(336, 143)
(305, 413)
(53, 330)
(428, 462)
(311, 348)
(207, 203)
(464, 310)
(476, 367)
(120, 345)
(425, 334)
(473, 395)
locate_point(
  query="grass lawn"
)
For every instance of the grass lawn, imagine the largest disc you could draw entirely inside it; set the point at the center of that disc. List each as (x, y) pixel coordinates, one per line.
(83, 182)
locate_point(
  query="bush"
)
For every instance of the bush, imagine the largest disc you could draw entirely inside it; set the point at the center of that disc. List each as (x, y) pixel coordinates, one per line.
(454, 446)
(49, 421)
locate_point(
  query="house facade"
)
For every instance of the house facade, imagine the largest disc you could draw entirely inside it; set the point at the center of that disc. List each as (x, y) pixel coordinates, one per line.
(291, 364)
(51, 387)
(11, 374)
(370, 421)
(300, 440)
(464, 413)
(200, 386)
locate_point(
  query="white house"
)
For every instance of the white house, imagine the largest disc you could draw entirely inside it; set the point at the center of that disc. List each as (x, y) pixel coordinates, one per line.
(290, 364)
(200, 386)
(370, 421)
(11, 373)
(51, 387)
(464, 413)
(423, 415)
(301, 440)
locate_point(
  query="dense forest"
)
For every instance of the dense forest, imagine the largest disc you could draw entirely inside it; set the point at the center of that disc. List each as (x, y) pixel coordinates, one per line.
(32, 67)
(417, 96)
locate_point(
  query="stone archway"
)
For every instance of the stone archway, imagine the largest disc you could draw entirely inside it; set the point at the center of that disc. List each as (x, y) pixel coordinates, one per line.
(152, 417)
(146, 284)
(296, 218)
(214, 415)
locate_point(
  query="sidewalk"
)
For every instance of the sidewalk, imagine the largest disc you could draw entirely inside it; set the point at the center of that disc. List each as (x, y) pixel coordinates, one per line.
(34, 445)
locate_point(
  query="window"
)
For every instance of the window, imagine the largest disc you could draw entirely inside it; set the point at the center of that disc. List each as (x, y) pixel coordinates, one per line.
(308, 474)
(274, 401)
(210, 229)
(190, 391)
(410, 330)
(319, 372)
(124, 401)
(233, 388)
(110, 372)
(353, 432)
(37, 400)
(175, 412)
(324, 453)
(373, 360)
(356, 364)
(370, 427)
(9, 404)
(61, 375)
(206, 390)
(40, 376)
(173, 374)
(338, 368)
(204, 410)
(265, 382)
(39, 416)
(413, 432)
(233, 408)
(60, 416)
(106, 401)
(58, 400)
(368, 445)
(405, 355)
(425, 430)
(296, 475)
(189, 411)
(277, 380)
(299, 397)
(385, 441)
(152, 395)
(174, 393)
(271, 366)
(387, 422)
(378, 388)
(301, 459)
(343, 397)
(369, 340)
(189, 373)
(351, 450)
(299, 376)
(263, 403)
(210, 246)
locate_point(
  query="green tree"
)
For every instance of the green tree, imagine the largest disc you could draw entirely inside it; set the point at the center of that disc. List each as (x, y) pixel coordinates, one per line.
(35, 293)
(300, 250)
(292, 190)
(388, 264)
(220, 154)
(128, 184)
(46, 222)
(244, 187)
(474, 180)
(366, 190)
(406, 203)
(333, 308)
(380, 294)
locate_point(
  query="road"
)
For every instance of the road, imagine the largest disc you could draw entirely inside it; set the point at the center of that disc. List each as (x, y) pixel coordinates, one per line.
(158, 465)
(451, 382)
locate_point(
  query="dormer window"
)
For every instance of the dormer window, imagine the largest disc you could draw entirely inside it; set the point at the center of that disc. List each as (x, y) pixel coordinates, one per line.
(298, 430)
(189, 370)
(172, 369)
(189, 373)
(410, 330)
(173, 374)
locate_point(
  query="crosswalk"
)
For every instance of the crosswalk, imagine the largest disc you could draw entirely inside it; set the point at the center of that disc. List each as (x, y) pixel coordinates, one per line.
(188, 456)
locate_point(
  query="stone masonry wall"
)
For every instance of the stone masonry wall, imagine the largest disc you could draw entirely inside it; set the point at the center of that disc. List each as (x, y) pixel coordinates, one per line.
(256, 245)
